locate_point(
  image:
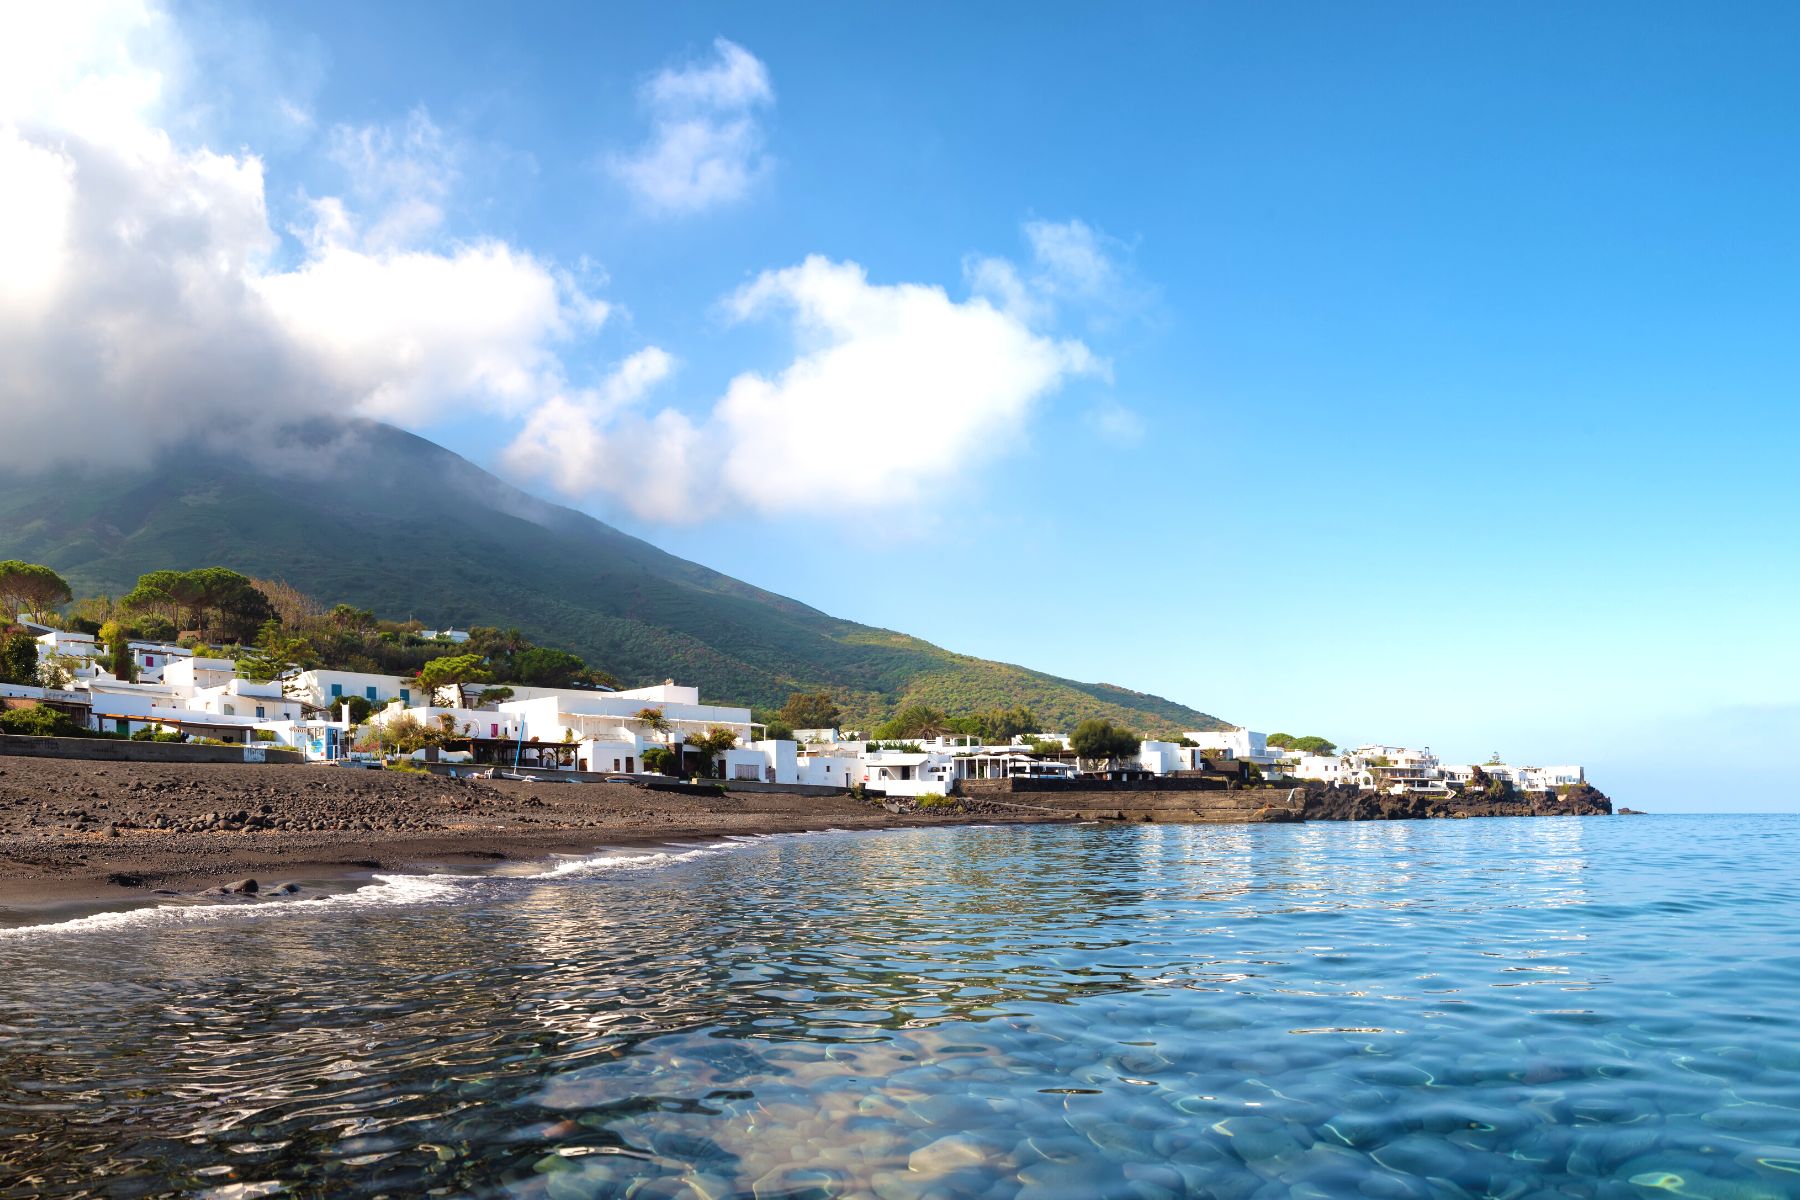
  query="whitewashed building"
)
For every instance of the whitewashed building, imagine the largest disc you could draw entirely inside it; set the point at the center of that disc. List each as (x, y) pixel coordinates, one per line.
(1244, 744)
(324, 689)
(246, 698)
(1525, 779)
(830, 769)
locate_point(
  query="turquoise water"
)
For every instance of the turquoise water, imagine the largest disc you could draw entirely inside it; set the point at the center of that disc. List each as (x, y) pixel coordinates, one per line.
(1598, 1007)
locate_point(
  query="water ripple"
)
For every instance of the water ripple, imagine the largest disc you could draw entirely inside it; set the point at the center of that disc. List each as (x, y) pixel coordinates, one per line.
(1595, 1008)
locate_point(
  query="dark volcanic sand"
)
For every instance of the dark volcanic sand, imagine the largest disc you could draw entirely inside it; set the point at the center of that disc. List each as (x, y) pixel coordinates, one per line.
(73, 831)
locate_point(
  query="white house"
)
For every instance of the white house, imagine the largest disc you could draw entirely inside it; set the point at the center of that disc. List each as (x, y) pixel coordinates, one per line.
(1544, 779)
(1238, 743)
(780, 760)
(1160, 758)
(456, 636)
(152, 659)
(903, 773)
(604, 731)
(246, 698)
(489, 723)
(1525, 779)
(1327, 768)
(126, 708)
(191, 674)
(323, 689)
(1398, 770)
(831, 769)
(74, 645)
(1010, 762)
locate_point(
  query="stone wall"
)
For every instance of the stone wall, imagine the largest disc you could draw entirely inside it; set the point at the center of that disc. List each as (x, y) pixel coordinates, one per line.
(122, 750)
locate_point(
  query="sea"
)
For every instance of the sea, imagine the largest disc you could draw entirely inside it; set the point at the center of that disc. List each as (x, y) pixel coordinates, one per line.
(1602, 1007)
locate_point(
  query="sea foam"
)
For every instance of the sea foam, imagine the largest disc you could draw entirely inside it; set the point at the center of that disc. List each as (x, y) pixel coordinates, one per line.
(386, 891)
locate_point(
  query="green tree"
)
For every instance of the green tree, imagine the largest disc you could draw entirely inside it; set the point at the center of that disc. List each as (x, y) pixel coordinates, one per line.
(540, 666)
(452, 671)
(493, 695)
(177, 592)
(661, 759)
(1310, 744)
(88, 614)
(18, 658)
(351, 619)
(274, 654)
(153, 627)
(360, 708)
(118, 646)
(709, 746)
(811, 710)
(238, 607)
(1004, 724)
(776, 731)
(30, 588)
(405, 734)
(651, 719)
(596, 678)
(39, 720)
(1099, 740)
(915, 720)
(149, 599)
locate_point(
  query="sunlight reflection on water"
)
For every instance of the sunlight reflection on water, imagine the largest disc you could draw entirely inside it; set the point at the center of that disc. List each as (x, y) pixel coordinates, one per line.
(1594, 1007)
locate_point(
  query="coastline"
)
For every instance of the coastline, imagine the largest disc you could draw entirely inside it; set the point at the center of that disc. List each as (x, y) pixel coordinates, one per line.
(80, 834)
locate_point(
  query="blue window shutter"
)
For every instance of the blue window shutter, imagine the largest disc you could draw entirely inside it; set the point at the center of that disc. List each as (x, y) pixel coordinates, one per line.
(369, 692)
(337, 689)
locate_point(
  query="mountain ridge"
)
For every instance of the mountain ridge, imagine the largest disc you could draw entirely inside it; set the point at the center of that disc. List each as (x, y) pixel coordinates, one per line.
(371, 515)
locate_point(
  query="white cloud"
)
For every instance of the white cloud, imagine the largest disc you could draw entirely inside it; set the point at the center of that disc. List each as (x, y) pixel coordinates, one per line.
(403, 332)
(896, 389)
(140, 298)
(1073, 266)
(565, 443)
(706, 142)
(1116, 423)
(145, 298)
(1073, 260)
(403, 174)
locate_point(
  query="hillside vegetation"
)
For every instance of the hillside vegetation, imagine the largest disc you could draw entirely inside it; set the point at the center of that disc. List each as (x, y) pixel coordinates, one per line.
(371, 516)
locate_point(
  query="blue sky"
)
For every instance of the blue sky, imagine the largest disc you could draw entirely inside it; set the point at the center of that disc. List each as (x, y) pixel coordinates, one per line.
(1417, 373)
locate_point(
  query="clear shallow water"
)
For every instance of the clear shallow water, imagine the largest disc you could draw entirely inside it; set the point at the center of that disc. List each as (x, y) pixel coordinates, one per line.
(1511, 1008)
